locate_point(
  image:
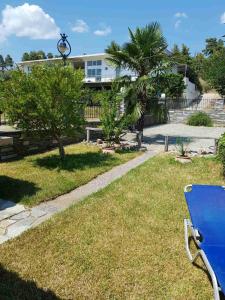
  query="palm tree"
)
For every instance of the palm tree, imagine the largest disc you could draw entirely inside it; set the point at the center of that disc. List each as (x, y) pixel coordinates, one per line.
(143, 54)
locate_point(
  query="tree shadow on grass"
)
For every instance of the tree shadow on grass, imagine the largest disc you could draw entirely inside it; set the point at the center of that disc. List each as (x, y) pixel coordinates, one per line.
(16, 189)
(75, 161)
(12, 287)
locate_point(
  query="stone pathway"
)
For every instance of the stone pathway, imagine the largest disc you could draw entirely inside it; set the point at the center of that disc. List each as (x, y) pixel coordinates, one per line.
(16, 218)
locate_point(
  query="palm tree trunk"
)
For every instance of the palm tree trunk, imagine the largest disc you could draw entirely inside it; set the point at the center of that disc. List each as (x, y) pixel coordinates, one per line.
(141, 121)
(140, 127)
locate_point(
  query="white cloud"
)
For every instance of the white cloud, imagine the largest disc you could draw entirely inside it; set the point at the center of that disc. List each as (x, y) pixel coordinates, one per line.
(80, 26)
(103, 31)
(27, 21)
(222, 18)
(180, 15)
(177, 24)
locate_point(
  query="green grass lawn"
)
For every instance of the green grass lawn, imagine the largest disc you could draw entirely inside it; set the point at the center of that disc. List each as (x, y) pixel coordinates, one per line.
(36, 178)
(124, 242)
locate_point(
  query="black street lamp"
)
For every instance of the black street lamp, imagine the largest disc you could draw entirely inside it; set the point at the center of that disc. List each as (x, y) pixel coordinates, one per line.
(64, 47)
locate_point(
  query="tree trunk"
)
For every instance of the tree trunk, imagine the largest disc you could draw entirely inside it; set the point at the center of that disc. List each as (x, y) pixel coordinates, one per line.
(141, 122)
(61, 149)
(140, 127)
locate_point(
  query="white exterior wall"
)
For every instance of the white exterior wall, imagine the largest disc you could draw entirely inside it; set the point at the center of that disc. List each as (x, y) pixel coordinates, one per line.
(190, 92)
(108, 73)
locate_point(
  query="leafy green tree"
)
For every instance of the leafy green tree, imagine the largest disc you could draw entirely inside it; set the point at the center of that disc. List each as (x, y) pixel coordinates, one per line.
(214, 71)
(113, 121)
(2, 62)
(26, 56)
(182, 56)
(171, 84)
(34, 55)
(143, 54)
(9, 61)
(175, 51)
(185, 52)
(41, 54)
(213, 45)
(198, 63)
(50, 55)
(45, 101)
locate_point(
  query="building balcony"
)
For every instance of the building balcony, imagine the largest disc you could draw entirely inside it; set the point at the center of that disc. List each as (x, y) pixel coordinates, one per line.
(105, 79)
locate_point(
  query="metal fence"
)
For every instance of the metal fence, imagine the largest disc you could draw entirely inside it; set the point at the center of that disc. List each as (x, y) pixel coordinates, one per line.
(196, 104)
(93, 112)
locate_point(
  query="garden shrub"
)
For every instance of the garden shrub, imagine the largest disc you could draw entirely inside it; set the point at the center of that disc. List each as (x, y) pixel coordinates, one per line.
(200, 119)
(221, 151)
(113, 121)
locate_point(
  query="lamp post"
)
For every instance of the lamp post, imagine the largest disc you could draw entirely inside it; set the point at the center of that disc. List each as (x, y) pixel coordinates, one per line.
(64, 47)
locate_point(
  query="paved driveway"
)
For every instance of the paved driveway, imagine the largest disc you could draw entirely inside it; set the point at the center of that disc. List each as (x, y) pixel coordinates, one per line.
(202, 138)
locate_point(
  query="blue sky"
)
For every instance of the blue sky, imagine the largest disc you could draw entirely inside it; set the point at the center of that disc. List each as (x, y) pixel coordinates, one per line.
(92, 24)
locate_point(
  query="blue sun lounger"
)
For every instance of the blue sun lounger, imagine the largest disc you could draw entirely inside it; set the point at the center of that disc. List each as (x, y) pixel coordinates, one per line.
(206, 206)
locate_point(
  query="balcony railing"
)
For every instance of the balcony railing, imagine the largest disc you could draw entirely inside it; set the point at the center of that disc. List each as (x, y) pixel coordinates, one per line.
(107, 78)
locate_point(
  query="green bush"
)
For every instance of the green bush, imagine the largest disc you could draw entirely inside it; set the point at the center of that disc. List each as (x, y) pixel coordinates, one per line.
(221, 151)
(200, 119)
(113, 122)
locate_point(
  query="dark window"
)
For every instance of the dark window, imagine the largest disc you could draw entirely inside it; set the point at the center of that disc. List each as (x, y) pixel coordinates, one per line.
(99, 72)
(99, 62)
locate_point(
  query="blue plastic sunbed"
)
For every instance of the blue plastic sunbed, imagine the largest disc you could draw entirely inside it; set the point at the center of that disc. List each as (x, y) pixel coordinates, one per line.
(206, 206)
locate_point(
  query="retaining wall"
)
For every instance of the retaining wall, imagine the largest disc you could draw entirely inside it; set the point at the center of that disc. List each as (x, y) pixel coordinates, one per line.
(217, 113)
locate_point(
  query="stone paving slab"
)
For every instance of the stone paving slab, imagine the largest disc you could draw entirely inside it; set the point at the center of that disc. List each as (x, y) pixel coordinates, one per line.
(15, 218)
(182, 130)
(22, 215)
(11, 211)
(6, 223)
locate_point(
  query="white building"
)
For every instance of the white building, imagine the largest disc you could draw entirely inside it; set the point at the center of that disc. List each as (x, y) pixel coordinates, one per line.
(99, 72)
